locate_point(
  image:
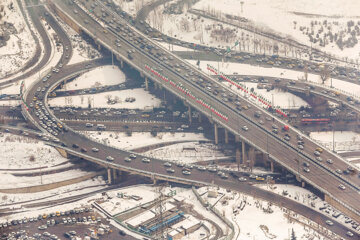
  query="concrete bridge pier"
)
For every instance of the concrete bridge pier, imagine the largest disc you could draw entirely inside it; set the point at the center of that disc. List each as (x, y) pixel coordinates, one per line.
(146, 84)
(252, 157)
(109, 175)
(189, 111)
(200, 118)
(216, 134)
(271, 165)
(243, 151)
(99, 47)
(226, 136)
(121, 63)
(114, 173)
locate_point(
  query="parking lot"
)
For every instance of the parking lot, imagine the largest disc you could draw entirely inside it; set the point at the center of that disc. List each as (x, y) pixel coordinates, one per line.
(84, 223)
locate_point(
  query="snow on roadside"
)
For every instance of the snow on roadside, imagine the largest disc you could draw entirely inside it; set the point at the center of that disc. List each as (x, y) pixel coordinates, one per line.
(26, 181)
(53, 194)
(132, 7)
(122, 141)
(143, 100)
(101, 76)
(17, 152)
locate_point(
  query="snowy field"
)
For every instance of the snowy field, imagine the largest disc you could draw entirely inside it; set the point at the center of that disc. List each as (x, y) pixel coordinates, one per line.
(17, 152)
(136, 140)
(21, 46)
(143, 100)
(101, 76)
(280, 15)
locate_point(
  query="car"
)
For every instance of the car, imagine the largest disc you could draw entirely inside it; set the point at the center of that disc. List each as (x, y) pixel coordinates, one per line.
(319, 159)
(330, 161)
(83, 150)
(109, 158)
(242, 179)
(306, 164)
(185, 172)
(201, 168)
(316, 153)
(245, 128)
(306, 169)
(328, 222)
(180, 164)
(132, 156)
(75, 145)
(94, 149)
(145, 160)
(342, 187)
(167, 164)
(350, 234)
(122, 233)
(170, 170)
(127, 159)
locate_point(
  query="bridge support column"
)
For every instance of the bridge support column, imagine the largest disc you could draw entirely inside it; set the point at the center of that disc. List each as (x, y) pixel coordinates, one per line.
(237, 152)
(114, 174)
(121, 63)
(303, 184)
(99, 47)
(200, 118)
(271, 165)
(190, 117)
(216, 134)
(146, 84)
(243, 151)
(109, 175)
(252, 157)
(226, 136)
(141, 74)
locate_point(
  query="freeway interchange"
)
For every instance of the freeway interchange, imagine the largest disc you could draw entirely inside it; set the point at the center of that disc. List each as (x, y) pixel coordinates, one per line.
(195, 88)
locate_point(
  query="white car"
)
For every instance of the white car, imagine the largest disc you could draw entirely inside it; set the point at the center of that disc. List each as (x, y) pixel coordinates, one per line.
(109, 158)
(145, 160)
(167, 164)
(342, 187)
(185, 172)
(170, 170)
(127, 159)
(242, 179)
(245, 128)
(328, 222)
(94, 149)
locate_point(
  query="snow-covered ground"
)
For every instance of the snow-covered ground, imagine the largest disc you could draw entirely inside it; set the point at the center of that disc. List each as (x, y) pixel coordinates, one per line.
(17, 152)
(305, 197)
(136, 140)
(344, 140)
(132, 7)
(21, 46)
(143, 100)
(101, 76)
(254, 217)
(53, 61)
(178, 152)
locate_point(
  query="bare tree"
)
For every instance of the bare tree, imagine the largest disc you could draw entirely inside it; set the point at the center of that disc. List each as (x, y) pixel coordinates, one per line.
(324, 73)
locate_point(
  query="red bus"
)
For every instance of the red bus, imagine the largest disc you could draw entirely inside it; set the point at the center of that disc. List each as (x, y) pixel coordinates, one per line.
(315, 121)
